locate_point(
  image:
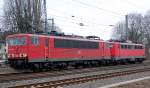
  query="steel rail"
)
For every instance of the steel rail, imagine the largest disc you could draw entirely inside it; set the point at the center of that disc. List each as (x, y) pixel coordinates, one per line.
(25, 76)
(79, 80)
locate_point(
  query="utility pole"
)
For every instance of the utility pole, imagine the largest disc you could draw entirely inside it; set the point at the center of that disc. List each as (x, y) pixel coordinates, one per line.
(126, 25)
(45, 13)
(52, 24)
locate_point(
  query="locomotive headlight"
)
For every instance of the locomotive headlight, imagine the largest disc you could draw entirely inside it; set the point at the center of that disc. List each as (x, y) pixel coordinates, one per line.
(20, 55)
(8, 55)
(12, 55)
(24, 55)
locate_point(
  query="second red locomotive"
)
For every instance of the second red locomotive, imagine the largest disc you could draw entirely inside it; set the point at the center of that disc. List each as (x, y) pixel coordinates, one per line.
(44, 51)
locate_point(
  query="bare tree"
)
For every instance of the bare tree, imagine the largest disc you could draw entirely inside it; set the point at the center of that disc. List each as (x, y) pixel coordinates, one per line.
(23, 15)
(119, 31)
(138, 31)
(146, 27)
(135, 31)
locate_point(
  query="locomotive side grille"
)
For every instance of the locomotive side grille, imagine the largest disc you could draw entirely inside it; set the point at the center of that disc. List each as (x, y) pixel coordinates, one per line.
(64, 43)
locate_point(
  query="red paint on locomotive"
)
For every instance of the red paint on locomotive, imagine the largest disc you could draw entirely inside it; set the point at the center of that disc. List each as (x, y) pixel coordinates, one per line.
(45, 48)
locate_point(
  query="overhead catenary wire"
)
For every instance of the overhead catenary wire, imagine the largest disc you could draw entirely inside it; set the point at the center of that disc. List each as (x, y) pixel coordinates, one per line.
(131, 4)
(76, 21)
(71, 26)
(67, 24)
(75, 25)
(81, 19)
(64, 20)
(96, 7)
(81, 28)
(76, 18)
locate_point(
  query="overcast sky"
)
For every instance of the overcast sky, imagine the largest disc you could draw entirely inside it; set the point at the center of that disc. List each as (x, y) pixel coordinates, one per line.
(96, 15)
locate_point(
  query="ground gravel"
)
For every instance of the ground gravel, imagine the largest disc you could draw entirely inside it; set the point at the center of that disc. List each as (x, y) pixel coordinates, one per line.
(5, 69)
(93, 84)
(140, 84)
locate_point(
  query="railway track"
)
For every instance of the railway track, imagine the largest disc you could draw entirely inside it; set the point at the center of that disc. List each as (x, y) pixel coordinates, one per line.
(79, 80)
(30, 75)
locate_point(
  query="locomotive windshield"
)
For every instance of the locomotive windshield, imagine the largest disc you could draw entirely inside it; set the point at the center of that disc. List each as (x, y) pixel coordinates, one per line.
(16, 41)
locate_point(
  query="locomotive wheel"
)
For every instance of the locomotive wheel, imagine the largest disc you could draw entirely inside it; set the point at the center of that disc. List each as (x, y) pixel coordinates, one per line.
(34, 67)
(139, 60)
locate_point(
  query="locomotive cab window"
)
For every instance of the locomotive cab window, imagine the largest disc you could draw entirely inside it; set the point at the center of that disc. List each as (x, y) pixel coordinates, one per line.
(139, 47)
(124, 46)
(16, 41)
(109, 45)
(34, 40)
(11, 41)
(23, 41)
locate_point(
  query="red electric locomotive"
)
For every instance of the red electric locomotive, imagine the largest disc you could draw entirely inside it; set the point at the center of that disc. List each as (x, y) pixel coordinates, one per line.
(44, 51)
(127, 52)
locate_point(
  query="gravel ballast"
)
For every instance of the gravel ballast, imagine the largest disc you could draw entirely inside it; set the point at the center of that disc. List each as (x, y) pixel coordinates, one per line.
(46, 79)
(94, 84)
(103, 83)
